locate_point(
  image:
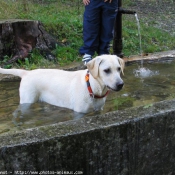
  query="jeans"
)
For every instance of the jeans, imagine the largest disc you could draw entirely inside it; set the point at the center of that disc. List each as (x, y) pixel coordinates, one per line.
(98, 24)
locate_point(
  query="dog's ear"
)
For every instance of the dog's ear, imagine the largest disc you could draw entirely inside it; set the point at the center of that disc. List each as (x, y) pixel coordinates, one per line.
(122, 64)
(93, 66)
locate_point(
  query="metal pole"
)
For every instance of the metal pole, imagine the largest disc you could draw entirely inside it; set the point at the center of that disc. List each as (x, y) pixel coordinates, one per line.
(117, 41)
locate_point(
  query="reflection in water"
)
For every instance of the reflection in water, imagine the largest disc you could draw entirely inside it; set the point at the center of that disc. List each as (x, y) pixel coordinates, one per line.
(39, 114)
(143, 86)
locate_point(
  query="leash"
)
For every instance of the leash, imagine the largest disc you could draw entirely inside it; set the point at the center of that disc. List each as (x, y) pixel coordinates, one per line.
(90, 89)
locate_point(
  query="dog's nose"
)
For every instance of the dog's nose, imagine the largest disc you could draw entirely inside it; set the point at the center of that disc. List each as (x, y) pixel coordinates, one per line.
(120, 86)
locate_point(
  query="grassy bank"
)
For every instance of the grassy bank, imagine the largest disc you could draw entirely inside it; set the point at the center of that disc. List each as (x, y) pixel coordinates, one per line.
(63, 19)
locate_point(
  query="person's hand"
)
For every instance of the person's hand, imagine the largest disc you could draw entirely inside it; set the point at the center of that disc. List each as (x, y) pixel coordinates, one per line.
(86, 2)
(108, 0)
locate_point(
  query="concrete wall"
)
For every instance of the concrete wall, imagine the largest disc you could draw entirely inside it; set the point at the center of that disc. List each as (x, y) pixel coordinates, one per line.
(138, 141)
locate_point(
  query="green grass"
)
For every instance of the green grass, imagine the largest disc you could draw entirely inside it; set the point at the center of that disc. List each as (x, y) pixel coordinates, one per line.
(63, 19)
(152, 39)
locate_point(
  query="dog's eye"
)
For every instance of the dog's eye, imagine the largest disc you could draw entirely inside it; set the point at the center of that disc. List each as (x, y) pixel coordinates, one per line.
(119, 69)
(107, 71)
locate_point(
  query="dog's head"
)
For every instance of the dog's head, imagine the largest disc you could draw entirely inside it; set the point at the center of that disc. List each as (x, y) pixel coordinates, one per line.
(107, 69)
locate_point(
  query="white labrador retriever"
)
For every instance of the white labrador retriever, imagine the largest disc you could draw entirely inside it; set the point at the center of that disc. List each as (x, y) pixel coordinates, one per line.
(77, 90)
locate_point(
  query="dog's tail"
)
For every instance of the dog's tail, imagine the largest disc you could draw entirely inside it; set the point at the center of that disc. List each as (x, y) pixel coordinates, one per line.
(16, 72)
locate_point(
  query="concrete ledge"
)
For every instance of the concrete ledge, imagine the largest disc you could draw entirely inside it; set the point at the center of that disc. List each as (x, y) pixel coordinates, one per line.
(136, 141)
(156, 57)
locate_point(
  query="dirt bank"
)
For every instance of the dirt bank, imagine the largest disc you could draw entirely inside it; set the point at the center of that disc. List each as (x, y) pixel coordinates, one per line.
(158, 13)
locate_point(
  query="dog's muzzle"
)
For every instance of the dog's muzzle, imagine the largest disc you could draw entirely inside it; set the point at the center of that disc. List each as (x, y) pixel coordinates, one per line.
(118, 87)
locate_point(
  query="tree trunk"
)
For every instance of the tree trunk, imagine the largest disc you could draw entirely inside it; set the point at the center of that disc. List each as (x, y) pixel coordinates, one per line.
(19, 37)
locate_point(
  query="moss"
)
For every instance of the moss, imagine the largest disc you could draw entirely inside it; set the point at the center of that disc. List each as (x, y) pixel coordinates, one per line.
(122, 102)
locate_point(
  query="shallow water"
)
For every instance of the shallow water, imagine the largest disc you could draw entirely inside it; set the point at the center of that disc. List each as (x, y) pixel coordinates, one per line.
(143, 86)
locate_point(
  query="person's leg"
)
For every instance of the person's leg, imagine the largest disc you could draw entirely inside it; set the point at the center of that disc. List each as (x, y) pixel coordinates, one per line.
(91, 28)
(107, 25)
